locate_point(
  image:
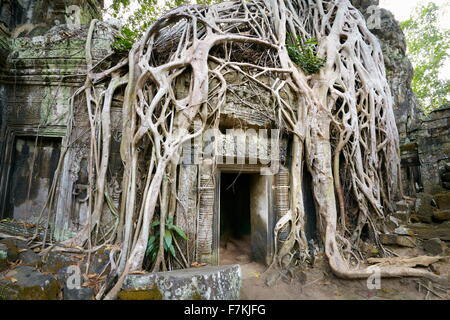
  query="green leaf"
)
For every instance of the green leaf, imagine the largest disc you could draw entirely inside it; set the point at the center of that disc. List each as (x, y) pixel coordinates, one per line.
(154, 224)
(303, 53)
(172, 250)
(153, 256)
(151, 245)
(168, 238)
(179, 232)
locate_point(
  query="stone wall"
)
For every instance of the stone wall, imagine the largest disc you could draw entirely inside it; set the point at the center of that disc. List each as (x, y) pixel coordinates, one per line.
(430, 143)
(42, 54)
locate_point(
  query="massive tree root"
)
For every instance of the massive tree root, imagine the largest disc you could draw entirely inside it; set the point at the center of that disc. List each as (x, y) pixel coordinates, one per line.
(341, 119)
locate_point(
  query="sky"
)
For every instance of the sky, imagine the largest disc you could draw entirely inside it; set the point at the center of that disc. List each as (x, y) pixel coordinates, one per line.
(402, 9)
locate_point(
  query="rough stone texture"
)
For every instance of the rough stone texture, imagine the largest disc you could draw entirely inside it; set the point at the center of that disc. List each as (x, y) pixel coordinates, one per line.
(35, 16)
(30, 258)
(393, 239)
(42, 62)
(433, 141)
(425, 208)
(58, 261)
(3, 257)
(78, 294)
(27, 283)
(14, 246)
(207, 283)
(434, 246)
(443, 200)
(442, 215)
(426, 231)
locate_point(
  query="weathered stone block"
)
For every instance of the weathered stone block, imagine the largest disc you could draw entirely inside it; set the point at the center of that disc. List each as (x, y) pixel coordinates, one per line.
(207, 283)
(3, 257)
(27, 283)
(14, 246)
(434, 246)
(403, 206)
(426, 231)
(78, 294)
(442, 215)
(394, 239)
(443, 200)
(31, 258)
(424, 208)
(58, 261)
(402, 216)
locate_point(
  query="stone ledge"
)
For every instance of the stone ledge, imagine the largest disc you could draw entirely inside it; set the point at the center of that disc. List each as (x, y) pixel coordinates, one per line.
(207, 283)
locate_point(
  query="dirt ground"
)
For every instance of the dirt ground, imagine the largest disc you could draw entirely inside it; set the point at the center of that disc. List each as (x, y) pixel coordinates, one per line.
(318, 283)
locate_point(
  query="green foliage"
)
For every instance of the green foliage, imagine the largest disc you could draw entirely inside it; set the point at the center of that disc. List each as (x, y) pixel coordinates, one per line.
(303, 53)
(124, 42)
(170, 233)
(429, 49)
(138, 15)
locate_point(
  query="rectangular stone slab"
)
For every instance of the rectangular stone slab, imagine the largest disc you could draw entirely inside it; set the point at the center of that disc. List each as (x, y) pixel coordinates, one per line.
(206, 283)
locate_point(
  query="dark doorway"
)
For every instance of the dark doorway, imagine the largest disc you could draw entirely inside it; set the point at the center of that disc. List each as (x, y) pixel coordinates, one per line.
(235, 218)
(33, 164)
(310, 209)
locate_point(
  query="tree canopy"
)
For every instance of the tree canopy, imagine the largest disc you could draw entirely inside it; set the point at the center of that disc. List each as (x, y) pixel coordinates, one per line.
(429, 50)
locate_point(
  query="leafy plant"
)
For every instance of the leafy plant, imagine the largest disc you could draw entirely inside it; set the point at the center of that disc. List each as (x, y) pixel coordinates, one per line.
(303, 53)
(124, 42)
(170, 233)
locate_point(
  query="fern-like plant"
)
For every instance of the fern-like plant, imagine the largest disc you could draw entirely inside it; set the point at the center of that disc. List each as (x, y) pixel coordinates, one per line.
(170, 233)
(303, 53)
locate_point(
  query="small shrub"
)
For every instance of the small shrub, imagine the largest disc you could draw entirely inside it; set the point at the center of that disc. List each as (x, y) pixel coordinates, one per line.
(171, 232)
(303, 53)
(124, 42)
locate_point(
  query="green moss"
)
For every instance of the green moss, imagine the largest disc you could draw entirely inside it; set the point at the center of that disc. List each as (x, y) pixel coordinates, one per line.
(152, 294)
(408, 147)
(15, 292)
(36, 293)
(196, 296)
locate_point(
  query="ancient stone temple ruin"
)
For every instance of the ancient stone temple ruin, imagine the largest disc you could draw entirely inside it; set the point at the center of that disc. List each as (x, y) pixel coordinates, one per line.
(234, 181)
(43, 62)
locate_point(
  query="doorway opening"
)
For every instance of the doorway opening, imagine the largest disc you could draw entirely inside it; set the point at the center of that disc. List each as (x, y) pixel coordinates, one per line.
(235, 218)
(246, 219)
(34, 162)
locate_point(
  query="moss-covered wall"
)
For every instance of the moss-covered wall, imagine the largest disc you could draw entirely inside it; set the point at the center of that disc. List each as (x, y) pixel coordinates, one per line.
(42, 65)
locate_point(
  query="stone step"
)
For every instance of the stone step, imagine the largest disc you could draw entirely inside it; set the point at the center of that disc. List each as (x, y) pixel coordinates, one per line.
(399, 240)
(27, 283)
(443, 200)
(404, 205)
(434, 246)
(206, 283)
(3, 257)
(442, 215)
(426, 231)
(402, 216)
